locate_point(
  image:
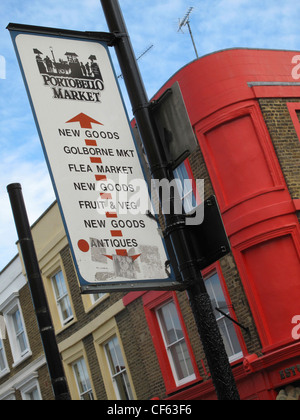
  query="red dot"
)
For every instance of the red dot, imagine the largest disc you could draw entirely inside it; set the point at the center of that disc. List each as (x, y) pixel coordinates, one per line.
(83, 245)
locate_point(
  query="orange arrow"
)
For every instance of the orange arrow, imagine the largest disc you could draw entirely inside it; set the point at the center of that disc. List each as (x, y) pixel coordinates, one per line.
(84, 120)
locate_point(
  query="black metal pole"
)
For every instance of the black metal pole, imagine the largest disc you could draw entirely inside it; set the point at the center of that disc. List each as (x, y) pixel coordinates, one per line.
(215, 352)
(55, 366)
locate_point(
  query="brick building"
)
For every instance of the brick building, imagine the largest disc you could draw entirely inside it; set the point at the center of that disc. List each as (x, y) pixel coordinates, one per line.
(244, 106)
(23, 368)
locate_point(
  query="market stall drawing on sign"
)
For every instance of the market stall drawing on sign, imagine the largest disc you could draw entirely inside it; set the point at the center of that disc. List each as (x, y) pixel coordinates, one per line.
(93, 162)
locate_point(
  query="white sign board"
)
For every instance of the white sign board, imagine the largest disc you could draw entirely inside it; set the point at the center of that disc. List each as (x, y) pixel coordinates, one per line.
(93, 162)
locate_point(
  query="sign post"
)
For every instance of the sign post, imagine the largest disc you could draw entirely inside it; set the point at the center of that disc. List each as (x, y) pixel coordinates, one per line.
(94, 166)
(35, 281)
(185, 253)
(92, 159)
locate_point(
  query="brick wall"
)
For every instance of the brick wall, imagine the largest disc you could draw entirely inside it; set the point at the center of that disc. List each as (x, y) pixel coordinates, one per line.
(30, 320)
(285, 140)
(138, 344)
(83, 319)
(45, 384)
(229, 268)
(35, 341)
(135, 335)
(94, 367)
(36, 348)
(140, 352)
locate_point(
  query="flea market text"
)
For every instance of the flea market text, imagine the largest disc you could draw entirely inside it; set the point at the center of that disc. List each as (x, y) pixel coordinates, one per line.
(125, 194)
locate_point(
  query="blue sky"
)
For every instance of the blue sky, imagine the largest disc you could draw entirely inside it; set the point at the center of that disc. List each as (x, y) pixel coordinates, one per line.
(216, 24)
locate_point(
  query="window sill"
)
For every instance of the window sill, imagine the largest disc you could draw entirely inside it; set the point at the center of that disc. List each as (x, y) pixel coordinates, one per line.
(175, 389)
(66, 326)
(22, 359)
(236, 360)
(95, 304)
(5, 372)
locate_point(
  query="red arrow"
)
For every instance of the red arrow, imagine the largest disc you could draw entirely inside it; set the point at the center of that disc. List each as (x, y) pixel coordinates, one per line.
(84, 120)
(123, 253)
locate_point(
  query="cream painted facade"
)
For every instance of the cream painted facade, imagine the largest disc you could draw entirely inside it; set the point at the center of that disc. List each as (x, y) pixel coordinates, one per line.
(79, 319)
(23, 370)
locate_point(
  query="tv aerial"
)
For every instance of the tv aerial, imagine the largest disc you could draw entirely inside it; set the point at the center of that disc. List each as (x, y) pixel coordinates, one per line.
(139, 57)
(186, 22)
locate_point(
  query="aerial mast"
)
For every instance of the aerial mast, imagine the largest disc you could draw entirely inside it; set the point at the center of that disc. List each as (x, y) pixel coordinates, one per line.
(140, 56)
(186, 22)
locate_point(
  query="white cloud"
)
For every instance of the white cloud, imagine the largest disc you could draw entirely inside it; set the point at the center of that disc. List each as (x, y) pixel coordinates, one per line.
(255, 24)
(37, 190)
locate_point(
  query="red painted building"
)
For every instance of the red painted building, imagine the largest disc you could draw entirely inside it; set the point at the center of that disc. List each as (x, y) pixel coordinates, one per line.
(244, 106)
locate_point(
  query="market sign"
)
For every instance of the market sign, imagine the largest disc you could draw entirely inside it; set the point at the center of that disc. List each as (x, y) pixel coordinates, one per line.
(92, 159)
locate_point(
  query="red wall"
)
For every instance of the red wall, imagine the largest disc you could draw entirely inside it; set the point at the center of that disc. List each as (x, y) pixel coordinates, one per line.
(258, 212)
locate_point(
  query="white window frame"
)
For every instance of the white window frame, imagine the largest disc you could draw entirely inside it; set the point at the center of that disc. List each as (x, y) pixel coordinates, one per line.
(26, 394)
(9, 395)
(9, 308)
(59, 299)
(29, 385)
(188, 196)
(189, 378)
(86, 379)
(6, 369)
(121, 372)
(97, 297)
(220, 318)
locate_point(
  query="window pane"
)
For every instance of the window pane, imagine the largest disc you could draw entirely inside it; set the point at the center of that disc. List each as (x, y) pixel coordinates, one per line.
(182, 361)
(186, 187)
(33, 395)
(216, 294)
(170, 323)
(80, 376)
(59, 285)
(167, 325)
(62, 297)
(118, 370)
(83, 380)
(97, 296)
(2, 363)
(236, 347)
(123, 386)
(116, 363)
(2, 357)
(190, 201)
(228, 333)
(176, 346)
(66, 308)
(17, 321)
(19, 331)
(22, 342)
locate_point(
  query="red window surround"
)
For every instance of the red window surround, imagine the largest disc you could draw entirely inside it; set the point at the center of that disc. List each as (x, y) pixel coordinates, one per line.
(293, 107)
(216, 268)
(270, 264)
(151, 301)
(193, 181)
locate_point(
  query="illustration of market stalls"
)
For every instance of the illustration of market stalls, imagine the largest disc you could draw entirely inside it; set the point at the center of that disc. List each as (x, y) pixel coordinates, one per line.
(72, 66)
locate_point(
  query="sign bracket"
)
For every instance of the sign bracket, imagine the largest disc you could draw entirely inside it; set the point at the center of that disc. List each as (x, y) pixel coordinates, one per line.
(106, 37)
